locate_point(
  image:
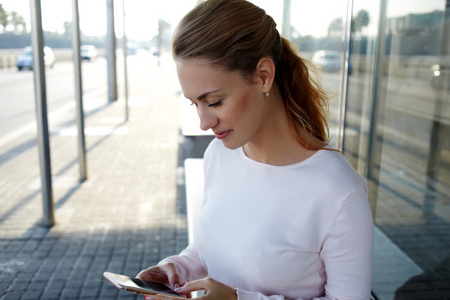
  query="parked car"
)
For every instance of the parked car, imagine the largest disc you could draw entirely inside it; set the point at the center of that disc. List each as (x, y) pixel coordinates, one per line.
(329, 61)
(154, 51)
(132, 48)
(25, 59)
(88, 52)
(440, 77)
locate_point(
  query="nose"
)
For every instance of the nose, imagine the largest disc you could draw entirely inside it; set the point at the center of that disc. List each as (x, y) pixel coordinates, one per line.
(208, 119)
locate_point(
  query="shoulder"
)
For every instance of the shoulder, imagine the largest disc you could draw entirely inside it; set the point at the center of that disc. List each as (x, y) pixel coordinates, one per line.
(337, 177)
(337, 167)
(219, 153)
(214, 149)
(218, 156)
(214, 146)
(341, 191)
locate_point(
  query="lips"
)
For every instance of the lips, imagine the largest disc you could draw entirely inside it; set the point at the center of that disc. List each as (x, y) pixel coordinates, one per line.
(222, 135)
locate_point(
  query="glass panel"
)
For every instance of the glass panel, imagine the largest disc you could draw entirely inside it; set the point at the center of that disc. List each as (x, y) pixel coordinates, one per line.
(364, 30)
(412, 234)
(318, 35)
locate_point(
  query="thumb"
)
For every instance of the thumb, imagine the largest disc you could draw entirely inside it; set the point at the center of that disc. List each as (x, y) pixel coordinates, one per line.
(174, 279)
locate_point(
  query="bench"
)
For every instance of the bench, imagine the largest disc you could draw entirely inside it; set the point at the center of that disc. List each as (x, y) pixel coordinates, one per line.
(193, 172)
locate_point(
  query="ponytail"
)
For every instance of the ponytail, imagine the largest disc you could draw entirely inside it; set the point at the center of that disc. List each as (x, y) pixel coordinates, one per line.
(304, 98)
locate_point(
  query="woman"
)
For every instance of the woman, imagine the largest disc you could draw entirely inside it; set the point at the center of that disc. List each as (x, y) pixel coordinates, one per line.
(284, 215)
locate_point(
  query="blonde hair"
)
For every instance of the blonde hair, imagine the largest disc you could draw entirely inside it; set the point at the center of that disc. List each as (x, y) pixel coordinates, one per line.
(236, 34)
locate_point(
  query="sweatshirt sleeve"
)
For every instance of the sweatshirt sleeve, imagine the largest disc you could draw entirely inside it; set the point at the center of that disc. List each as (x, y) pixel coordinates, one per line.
(347, 249)
(346, 253)
(188, 263)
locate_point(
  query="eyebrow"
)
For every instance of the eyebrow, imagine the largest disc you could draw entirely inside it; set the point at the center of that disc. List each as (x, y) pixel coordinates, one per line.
(204, 95)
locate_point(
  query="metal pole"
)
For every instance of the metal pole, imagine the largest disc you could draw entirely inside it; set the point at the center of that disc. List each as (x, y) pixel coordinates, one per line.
(342, 113)
(111, 51)
(37, 41)
(125, 63)
(286, 29)
(375, 138)
(78, 90)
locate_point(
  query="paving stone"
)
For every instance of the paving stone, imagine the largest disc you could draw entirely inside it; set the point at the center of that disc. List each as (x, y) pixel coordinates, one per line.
(50, 295)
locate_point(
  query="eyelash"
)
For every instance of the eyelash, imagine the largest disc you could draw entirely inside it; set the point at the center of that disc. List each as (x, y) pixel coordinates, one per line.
(215, 104)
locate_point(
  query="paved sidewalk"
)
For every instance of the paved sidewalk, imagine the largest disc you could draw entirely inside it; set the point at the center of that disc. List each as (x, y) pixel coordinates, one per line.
(128, 215)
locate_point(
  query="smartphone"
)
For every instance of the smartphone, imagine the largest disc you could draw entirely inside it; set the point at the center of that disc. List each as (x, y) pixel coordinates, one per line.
(138, 285)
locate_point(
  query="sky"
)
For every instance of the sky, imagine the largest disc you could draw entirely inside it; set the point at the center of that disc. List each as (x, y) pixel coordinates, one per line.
(308, 17)
(141, 15)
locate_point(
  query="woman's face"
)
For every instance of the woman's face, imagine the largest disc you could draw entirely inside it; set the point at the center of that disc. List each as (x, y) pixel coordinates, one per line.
(231, 106)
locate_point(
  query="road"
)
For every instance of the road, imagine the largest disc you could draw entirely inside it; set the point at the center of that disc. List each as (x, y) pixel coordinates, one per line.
(17, 104)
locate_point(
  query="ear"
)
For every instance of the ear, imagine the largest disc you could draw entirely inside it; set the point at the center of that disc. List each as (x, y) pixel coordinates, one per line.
(265, 74)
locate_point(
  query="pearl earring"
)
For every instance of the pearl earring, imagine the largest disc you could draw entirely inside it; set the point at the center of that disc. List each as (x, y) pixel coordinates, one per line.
(267, 94)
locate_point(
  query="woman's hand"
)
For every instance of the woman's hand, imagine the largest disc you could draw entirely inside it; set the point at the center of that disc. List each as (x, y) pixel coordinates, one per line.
(214, 290)
(165, 273)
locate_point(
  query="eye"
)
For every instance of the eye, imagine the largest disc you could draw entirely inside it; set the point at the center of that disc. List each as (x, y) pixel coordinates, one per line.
(193, 103)
(215, 104)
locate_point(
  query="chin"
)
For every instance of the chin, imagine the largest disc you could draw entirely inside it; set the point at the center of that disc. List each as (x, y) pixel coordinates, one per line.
(231, 146)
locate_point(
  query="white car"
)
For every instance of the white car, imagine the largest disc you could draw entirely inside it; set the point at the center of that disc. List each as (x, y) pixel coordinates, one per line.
(25, 59)
(327, 60)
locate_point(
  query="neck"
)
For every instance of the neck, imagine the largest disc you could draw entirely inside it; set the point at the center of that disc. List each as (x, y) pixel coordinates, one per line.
(276, 144)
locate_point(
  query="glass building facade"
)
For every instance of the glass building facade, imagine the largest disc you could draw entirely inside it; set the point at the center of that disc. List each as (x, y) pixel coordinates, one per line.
(391, 118)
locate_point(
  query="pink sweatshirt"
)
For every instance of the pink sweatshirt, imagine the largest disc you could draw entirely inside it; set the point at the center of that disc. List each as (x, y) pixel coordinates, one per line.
(302, 231)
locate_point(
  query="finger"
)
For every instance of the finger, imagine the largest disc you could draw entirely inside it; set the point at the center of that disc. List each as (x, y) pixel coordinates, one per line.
(184, 282)
(197, 285)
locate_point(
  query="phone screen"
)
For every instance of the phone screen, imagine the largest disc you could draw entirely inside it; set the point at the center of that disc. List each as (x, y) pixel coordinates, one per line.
(138, 285)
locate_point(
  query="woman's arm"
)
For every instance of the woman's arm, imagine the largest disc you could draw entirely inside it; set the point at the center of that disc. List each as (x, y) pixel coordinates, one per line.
(176, 269)
(188, 264)
(347, 249)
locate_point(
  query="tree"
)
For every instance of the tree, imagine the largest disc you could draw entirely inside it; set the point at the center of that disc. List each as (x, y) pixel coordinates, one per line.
(163, 39)
(361, 20)
(18, 22)
(67, 28)
(335, 28)
(3, 17)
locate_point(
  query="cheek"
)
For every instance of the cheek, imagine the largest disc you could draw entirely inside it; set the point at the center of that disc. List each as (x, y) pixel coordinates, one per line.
(245, 107)
(256, 112)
